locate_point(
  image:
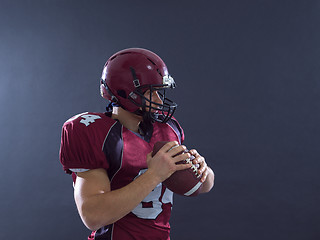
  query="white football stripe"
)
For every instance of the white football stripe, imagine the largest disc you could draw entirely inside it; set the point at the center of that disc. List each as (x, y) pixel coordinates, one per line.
(192, 190)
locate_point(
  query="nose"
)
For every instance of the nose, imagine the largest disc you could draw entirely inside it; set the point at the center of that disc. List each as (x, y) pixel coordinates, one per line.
(156, 98)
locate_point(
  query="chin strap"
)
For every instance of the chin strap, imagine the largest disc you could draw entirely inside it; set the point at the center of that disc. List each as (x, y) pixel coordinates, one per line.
(111, 105)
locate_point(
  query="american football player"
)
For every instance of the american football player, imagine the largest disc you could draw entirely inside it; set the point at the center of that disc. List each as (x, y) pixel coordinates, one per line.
(118, 186)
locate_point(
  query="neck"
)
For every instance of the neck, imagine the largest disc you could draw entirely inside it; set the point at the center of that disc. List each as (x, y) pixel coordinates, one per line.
(129, 120)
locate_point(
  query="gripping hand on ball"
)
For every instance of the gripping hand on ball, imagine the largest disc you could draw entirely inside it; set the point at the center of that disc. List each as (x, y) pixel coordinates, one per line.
(203, 167)
(163, 163)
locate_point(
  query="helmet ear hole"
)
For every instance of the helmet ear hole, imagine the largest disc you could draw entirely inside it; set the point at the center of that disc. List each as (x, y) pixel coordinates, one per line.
(122, 93)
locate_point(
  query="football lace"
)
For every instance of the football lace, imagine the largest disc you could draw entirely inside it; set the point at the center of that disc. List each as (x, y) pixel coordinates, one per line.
(194, 167)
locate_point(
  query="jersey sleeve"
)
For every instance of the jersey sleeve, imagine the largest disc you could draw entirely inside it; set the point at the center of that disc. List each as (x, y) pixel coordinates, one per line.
(81, 148)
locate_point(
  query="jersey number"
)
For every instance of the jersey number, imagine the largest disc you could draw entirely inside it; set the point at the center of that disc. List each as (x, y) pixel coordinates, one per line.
(87, 119)
(151, 206)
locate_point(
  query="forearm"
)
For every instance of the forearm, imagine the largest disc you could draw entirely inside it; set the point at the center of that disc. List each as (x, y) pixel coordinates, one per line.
(208, 184)
(107, 207)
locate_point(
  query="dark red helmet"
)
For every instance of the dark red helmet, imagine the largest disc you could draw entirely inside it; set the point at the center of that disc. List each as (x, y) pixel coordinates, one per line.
(129, 73)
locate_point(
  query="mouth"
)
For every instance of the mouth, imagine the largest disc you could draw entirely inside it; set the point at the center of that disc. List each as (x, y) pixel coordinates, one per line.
(156, 111)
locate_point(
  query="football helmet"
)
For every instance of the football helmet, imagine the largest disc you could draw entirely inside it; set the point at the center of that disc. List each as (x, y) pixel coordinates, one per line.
(129, 74)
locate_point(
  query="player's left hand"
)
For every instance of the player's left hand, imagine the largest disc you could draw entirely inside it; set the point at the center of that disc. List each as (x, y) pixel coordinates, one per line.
(203, 167)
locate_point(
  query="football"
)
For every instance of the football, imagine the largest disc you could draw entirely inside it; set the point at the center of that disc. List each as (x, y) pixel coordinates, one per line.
(184, 182)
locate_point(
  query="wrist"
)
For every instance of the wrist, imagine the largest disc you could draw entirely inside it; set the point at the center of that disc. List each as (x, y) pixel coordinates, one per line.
(152, 177)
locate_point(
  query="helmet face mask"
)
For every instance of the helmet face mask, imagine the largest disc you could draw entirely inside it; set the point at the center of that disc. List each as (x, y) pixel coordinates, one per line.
(129, 74)
(160, 112)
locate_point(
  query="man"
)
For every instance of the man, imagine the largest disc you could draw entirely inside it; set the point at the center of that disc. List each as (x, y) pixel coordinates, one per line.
(118, 186)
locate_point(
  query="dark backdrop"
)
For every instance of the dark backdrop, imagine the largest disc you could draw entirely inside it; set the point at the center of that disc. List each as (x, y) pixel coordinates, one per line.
(248, 93)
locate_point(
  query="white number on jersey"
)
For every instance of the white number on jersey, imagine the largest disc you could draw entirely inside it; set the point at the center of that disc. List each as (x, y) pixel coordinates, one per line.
(154, 202)
(87, 119)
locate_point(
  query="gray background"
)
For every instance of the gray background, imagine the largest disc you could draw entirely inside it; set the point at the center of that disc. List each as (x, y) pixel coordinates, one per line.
(248, 94)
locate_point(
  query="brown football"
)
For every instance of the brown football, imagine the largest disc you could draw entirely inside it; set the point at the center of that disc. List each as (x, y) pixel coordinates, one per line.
(184, 182)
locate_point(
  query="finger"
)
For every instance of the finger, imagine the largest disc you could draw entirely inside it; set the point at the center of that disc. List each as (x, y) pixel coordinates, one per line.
(204, 176)
(181, 157)
(195, 155)
(176, 150)
(199, 159)
(184, 166)
(168, 146)
(203, 167)
(194, 152)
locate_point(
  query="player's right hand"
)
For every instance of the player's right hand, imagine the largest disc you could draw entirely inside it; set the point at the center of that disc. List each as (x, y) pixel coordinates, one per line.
(163, 164)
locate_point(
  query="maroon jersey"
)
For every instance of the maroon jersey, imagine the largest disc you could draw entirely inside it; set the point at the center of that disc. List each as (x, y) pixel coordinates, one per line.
(95, 140)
